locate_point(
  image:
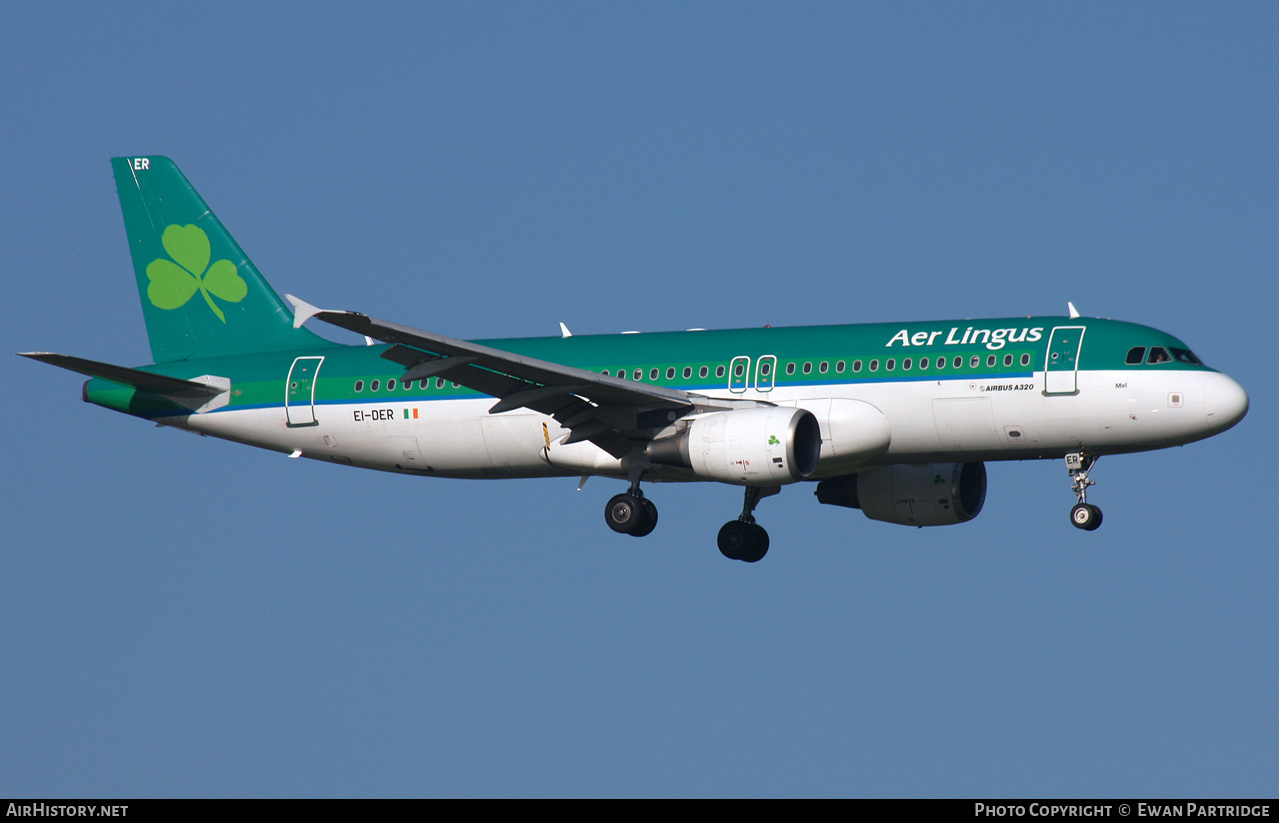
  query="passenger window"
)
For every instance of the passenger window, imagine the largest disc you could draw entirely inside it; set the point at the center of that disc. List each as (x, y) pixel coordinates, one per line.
(359, 385)
(738, 369)
(808, 368)
(923, 362)
(605, 372)
(688, 372)
(857, 365)
(719, 371)
(891, 364)
(765, 369)
(874, 365)
(839, 367)
(703, 371)
(1025, 359)
(941, 362)
(670, 373)
(653, 373)
(439, 382)
(373, 386)
(823, 367)
(390, 384)
(990, 361)
(959, 360)
(790, 368)
(639, 374)
(975, 361)
(1008, 359)
(1158, 354)
(906, 364)
(1135, 355)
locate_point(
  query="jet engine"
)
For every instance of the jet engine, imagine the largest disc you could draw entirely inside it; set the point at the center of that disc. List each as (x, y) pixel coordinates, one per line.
(932, 494)
(766, 446)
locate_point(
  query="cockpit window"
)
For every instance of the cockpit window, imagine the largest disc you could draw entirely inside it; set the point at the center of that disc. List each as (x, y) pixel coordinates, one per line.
(1135, 355)
(1186, 356)
(1158, 354)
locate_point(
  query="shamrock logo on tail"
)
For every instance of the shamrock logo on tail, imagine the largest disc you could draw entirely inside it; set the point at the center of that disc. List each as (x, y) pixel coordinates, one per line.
(173, 285)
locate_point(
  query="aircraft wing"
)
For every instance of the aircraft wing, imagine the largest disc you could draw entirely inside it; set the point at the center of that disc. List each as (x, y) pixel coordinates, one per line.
(603, 409)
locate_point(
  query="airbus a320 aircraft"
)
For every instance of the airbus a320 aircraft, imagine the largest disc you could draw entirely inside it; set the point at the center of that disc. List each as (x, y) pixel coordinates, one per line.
(895, 419)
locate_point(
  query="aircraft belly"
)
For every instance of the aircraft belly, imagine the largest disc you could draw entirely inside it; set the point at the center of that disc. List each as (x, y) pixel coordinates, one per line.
(516, 442)
(440, 437)
(449, 437)
(256, 427)
(965, 424)
(453, 438)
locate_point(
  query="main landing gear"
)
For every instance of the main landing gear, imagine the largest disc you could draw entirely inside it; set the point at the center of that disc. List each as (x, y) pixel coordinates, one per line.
(1084, 515)
(631, 513)
(744, 539)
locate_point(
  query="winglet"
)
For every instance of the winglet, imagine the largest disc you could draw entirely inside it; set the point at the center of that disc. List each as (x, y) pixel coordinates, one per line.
(302, 310)
(1074, 312)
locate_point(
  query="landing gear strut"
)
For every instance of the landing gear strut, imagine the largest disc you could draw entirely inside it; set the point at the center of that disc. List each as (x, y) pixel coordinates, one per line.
(744, 539)
(1084, 515)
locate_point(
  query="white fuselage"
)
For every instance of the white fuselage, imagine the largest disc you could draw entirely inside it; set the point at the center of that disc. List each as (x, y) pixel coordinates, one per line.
(929, 420)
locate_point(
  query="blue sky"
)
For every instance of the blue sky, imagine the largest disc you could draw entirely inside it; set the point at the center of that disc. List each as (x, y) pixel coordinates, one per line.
(189, 617)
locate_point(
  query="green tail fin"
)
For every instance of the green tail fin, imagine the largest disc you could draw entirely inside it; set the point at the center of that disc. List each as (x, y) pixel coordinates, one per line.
(201, 296)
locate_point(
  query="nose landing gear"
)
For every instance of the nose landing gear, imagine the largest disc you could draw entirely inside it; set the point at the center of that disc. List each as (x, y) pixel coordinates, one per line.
(1084, 515)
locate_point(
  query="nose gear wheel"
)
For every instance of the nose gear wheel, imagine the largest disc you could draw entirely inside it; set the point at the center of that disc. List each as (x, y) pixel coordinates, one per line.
(1084, 515)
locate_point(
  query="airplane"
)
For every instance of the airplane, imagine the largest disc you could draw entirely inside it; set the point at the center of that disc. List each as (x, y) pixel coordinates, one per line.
(895, 419)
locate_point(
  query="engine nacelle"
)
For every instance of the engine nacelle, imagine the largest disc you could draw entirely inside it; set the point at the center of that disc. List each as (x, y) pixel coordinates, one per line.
(933, 494)
(767, 446)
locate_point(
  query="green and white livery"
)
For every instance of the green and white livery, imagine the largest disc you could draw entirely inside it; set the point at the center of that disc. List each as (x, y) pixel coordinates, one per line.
(896, 419)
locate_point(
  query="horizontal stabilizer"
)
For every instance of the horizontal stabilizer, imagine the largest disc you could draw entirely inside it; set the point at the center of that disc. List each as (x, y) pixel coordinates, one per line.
(142, 380)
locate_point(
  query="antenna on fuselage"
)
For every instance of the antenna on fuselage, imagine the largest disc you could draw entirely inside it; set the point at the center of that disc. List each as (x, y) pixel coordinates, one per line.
(1074, 312)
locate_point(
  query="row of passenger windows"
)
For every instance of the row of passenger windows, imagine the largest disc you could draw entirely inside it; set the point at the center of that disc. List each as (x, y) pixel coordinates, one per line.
(765, 369)
(1159, 354)
(407, 385)
(824, 367)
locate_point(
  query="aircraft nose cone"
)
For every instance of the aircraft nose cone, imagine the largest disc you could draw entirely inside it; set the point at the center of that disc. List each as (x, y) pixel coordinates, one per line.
(1225, 402)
